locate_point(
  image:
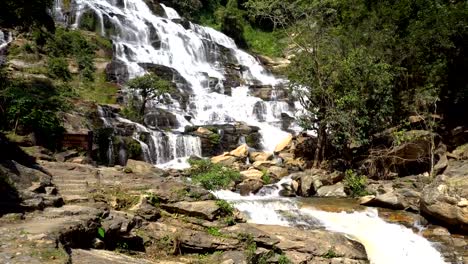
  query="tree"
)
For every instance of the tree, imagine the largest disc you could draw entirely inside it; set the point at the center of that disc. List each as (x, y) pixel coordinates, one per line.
(344, 89)
(150, 87)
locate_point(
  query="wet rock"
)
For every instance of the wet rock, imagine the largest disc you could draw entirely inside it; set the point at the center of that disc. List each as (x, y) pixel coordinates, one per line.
(249, 186)
(160, 118)
(117, 72)
(443, 199)
(336, 190)
(156, 8)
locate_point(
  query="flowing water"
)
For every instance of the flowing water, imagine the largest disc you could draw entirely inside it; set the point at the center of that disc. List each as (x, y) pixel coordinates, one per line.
(199, 55)
(385, 243)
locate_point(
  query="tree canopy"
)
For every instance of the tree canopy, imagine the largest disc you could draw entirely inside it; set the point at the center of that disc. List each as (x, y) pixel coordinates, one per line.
(150, 87)
(359, 67)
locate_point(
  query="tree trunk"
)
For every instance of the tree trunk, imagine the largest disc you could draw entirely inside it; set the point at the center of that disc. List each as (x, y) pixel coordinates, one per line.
(143, 107)
(321, 143)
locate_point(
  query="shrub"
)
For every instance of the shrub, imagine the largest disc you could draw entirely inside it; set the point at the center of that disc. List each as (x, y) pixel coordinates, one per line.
(226, 208)
(57, 68)
(355, 184)
(283, 260)
(266, 177)
(212, 176)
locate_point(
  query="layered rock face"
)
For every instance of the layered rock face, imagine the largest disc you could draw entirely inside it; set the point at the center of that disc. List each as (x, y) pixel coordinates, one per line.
(446, 198)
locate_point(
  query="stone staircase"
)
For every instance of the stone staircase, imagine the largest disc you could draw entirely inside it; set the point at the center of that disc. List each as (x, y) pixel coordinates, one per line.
(73, 181)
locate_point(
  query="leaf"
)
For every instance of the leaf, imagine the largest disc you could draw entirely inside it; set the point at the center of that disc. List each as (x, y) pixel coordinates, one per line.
(101, 232)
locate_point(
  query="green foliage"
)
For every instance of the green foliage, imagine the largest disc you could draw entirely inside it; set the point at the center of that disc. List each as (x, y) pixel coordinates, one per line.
(214, 138)
(284, 260)
(226, 208)
(266, 177)
(65, 43)
(101, 232)
(361, 67)
(150, 87)
(214, 231)
(265, 42)
(210, 175)
(153, 199)
(330, 254)
(355, 184)
(58, 69)
(32, 106)
(26, 14)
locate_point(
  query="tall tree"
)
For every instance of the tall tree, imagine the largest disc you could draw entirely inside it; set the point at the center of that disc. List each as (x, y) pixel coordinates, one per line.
(150, 87)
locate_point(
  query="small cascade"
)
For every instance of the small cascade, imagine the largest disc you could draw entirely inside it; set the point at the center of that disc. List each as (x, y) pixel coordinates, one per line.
(5, 39)
(385, 243)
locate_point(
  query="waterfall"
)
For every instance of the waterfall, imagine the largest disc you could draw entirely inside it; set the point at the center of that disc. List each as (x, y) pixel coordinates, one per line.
(200, 56)
(5, 39)
(385, 243)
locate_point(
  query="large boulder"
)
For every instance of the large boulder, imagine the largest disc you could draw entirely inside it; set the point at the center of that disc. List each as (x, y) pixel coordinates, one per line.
(405, 153)
(250, 185)
(304, 246)
(224, 159)
(225, 137)
(263, 165)
(446, 198)
(208, 210)
(240, 152)
(141, 167)
(336, 190)
(252, 174)
(260, 156)
(312, 179)
(278, 172)
(285, 143)
(160, 119)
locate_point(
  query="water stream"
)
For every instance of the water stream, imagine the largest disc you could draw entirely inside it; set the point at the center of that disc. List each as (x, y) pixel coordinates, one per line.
(201, 56)
(385, 243)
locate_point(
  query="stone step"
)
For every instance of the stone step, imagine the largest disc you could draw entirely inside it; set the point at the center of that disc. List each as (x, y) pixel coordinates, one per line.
(94, 256)
(75, 198)
(75, 191)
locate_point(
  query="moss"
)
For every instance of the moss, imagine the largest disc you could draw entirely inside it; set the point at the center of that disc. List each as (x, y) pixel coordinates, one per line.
(89, 21)
(215, 139)
(133, 147)
(52, 255)
(99, 91)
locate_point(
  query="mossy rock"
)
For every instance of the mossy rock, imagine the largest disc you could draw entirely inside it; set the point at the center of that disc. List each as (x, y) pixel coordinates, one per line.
(89, 21)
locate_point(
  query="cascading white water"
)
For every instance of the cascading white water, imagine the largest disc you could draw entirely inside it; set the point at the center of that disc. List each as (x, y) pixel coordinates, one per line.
(195, 53)
(385, 243)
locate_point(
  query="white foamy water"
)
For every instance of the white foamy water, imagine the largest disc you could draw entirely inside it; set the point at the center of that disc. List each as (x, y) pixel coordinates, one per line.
(385, 243)
(198, 54)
